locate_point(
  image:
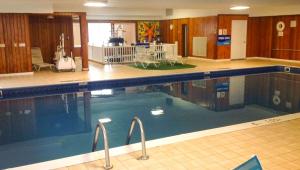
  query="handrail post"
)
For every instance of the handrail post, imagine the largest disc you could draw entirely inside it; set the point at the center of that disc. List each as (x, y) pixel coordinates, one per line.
(143, 139)
(105, 142)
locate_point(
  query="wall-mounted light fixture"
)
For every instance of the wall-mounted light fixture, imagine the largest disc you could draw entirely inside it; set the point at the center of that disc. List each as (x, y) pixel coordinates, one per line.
(171, 27)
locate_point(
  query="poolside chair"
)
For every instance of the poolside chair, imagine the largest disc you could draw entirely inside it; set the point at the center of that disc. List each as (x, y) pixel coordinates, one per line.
(169, 55)
(144, 57)
(37, 60)
(251, 164)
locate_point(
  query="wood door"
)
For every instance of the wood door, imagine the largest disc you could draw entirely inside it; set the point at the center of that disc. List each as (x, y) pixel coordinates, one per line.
(16, 36)
(2, 48)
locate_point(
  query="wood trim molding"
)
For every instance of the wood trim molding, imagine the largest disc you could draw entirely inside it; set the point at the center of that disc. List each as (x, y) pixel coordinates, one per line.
(84, 41)
(17, 74)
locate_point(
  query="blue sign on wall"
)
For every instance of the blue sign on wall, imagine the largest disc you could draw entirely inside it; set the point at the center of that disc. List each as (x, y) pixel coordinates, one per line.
(222, 87)
(224, 40)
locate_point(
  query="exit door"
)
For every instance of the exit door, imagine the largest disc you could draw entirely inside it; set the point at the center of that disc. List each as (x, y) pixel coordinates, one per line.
(238, 39)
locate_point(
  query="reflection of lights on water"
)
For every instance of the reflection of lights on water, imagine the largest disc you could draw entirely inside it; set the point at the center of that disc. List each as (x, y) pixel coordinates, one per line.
(27, 112)
(105, 120)
(157, 111)
(8, 113)
(57, 125)
(108, 68)
(104, 92)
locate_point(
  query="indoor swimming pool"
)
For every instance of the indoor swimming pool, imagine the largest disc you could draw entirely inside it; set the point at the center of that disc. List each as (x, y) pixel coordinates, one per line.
(41, 128)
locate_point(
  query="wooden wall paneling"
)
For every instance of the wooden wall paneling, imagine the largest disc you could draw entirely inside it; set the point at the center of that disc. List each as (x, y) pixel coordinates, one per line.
(84, 41)
(174, 32)
(204, 27)
(296, 39)
(252, 36)
(168, 31)
(259, 37)
(194, 28)
(3, 68)
(211, 30)
(27, 41)
(181, 22)
(45, 33)
(19, 57)
(282, 43)
(9, 41)
(163, 31)
(168, 35)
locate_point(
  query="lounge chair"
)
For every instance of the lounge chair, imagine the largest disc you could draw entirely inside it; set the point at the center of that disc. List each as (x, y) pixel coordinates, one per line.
(144, 57)
(169, 55)
(37, 60)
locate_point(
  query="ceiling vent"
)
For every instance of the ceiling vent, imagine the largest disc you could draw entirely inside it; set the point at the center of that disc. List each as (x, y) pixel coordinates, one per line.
(169, 12)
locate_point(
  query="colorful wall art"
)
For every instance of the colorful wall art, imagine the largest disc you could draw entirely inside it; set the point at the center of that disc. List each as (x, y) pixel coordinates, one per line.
(148, 31)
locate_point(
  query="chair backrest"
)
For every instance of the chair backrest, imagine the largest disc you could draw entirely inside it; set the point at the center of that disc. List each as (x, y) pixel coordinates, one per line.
(36, 54)
(168, 49)
(152, 48)
(251, 164)
(141, 50)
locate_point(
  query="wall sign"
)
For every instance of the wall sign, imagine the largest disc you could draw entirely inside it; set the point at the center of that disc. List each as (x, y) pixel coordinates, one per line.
(224, 40)
(222, 87)
(293, 24)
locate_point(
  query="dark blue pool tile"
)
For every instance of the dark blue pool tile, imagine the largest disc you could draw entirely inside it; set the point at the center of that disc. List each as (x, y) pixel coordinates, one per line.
(93, 85)
(39, 90)
(244, 71)
(295, 70)
(143, 81)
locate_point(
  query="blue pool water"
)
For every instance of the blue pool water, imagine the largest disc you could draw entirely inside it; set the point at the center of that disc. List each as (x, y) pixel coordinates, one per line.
(57, 126)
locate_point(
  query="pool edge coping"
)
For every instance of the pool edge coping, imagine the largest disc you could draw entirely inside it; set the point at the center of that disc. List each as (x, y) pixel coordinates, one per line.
(117, 151)
(82, 86)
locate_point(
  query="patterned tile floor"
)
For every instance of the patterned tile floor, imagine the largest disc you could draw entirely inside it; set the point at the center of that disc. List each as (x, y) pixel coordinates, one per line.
(277, 146)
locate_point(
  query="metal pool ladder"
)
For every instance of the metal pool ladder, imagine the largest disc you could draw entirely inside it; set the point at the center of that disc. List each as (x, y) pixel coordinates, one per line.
(143, 140)
(105, 142)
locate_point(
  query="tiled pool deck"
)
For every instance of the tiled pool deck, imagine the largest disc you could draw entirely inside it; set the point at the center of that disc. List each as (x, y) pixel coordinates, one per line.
(99, 72)
(277, 145)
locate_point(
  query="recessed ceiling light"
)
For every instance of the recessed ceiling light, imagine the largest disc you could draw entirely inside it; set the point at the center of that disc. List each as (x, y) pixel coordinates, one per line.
(157, 111)
(239, 8)
(95, 4)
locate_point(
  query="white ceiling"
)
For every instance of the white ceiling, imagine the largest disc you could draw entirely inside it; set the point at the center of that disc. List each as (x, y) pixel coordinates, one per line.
(183, 4)
(152, 8)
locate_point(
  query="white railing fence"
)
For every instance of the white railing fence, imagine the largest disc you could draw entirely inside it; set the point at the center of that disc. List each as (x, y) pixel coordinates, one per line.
(126, 54)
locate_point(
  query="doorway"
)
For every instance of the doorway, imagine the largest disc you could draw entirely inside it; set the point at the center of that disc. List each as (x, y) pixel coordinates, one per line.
(184, 40)
(238, 39)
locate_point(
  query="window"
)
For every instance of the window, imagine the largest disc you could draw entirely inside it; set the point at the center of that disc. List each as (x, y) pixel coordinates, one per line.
(99, 33)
